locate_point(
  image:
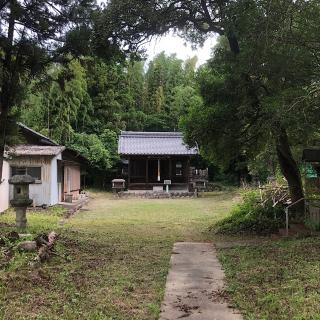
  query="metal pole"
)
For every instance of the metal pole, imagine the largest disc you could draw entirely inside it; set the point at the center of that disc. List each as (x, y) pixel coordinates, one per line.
(287, 221)
(287, 214)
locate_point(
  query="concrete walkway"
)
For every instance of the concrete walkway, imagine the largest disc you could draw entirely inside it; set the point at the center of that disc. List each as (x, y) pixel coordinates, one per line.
(195, 285)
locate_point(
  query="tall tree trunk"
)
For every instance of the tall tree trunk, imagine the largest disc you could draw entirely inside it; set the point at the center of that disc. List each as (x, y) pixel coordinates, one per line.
(233, 43)
(289, 169)
(288, 165)
(7, 89)
(3, 122)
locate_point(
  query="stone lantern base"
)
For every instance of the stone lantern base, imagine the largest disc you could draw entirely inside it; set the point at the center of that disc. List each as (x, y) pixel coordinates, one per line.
(21, 218)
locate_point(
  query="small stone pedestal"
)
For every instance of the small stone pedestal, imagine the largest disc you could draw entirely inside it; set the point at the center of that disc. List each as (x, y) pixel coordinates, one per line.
(21, 199)
(118, 185)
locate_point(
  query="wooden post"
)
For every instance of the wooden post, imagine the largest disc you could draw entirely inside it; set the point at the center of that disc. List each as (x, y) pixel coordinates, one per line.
(188, 171)
(129, 171)
(147, 171)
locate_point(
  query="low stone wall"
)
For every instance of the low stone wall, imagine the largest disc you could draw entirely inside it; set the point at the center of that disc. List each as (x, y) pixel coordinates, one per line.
(155, 195)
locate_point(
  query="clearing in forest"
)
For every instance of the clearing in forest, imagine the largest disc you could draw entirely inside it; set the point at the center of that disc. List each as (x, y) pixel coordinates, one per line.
(119, 254)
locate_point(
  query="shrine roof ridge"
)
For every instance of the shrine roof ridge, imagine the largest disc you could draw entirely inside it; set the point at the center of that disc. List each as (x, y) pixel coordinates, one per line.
(154, 143)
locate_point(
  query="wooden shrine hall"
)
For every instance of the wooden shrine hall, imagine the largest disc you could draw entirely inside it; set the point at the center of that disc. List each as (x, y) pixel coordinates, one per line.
(155, 160)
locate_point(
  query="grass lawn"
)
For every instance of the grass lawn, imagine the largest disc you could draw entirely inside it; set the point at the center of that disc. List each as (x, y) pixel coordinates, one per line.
(119, 254)
(280, 280)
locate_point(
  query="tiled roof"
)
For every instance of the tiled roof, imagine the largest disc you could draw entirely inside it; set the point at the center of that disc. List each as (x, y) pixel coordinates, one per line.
(153, 143)
(43, 139)
(32, 150)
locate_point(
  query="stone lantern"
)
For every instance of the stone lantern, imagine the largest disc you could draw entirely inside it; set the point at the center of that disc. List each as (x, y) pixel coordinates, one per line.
(118, 185)
(21, 199)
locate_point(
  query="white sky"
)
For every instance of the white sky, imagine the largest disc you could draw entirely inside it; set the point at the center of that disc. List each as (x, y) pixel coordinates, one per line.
(171, 44)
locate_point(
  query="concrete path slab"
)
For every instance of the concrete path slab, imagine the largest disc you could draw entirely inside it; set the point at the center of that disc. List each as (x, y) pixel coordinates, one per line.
(195, 285)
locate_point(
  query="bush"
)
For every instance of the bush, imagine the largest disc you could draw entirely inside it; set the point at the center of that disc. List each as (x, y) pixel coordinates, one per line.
(215, 186)
(315, 226)
(251, 217)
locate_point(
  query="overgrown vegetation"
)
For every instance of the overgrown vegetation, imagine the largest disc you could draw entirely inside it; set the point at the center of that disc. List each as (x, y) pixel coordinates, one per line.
(279, 280)
(75, 72)
(251, 217)
(118, 257)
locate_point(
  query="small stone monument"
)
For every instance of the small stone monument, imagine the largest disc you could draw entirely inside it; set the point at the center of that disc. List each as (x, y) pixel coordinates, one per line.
(118, 185)
(21, 199)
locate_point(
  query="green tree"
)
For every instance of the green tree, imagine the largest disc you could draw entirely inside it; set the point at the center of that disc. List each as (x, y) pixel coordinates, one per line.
(91, 98)
(270, 60)
(68, 102)
(254, 99)
(93, 149)
(31, 33)
(62, 105)
(184, 98)
(135, 77)
(107, 89)
(194, 20)
(167, 79)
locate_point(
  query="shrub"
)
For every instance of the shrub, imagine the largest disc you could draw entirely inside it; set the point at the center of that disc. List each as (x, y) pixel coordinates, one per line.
(251, 217)
(315, 226)
(215, 186)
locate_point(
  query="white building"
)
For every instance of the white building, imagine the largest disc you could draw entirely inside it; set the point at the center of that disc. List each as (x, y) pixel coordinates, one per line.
(55, 169)
(4, 187)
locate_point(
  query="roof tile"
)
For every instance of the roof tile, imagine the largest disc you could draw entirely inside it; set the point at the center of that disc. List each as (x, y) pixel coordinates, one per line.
(153, 143)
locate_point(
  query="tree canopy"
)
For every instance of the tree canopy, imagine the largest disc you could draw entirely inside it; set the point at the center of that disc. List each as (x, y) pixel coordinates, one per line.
(35, 34)
(86, 102)
(264, 95)
(32, 34)
(257, 98)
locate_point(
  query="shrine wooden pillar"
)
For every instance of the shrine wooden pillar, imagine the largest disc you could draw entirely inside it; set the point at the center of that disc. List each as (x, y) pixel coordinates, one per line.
(147, 170)
(170, 168)
(129, 171)
(188, 170)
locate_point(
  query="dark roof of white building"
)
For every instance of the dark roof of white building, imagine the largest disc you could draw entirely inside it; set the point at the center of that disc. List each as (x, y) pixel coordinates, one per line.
(153, 143)
(37, 137)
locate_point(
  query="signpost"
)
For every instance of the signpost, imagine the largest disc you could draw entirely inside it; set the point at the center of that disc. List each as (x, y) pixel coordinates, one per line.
(167, 183)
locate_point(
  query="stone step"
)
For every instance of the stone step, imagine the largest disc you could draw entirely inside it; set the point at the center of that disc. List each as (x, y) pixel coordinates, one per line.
(155, 195)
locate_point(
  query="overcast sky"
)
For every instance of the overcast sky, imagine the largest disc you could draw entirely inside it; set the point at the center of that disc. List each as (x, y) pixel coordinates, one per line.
(174, 44)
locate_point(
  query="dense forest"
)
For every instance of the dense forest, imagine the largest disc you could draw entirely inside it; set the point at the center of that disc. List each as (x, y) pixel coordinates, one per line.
(85, 103)
(76, 73)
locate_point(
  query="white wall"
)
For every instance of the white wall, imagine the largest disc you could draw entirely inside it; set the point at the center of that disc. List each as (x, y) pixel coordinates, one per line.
(46, 192)
(54, 194)
(4, 187)
(39, 192)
